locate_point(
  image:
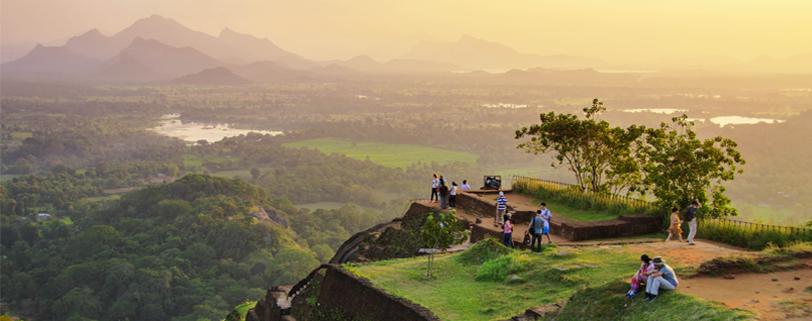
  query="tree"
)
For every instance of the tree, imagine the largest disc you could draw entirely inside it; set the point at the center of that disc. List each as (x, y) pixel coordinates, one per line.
(598, 154)
(255, 173)
(680, 168)
(439, 232)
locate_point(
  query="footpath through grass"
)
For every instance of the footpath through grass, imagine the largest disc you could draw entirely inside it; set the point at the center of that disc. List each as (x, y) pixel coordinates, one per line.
(389, 155)
(484, 284)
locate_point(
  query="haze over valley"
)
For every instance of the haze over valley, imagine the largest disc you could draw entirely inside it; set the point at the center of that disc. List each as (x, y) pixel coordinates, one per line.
(185, 160)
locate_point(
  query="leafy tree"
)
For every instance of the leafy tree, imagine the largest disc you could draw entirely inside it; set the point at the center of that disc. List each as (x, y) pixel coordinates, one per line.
(598, 154)
(680, 168)
(439, 232)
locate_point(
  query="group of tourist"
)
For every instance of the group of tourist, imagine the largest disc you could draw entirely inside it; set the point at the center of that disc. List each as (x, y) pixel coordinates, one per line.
(675, 227)
(539, 225)
(445, 195)
(654, 275)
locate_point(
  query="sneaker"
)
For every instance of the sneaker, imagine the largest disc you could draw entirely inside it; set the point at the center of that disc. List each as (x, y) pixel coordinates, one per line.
(691, 243)
(652, 298)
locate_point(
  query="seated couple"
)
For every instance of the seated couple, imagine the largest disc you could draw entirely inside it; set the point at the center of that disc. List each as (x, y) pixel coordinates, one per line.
(654, 274)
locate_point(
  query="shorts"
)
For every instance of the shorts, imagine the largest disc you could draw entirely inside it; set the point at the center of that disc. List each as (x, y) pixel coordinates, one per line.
(546, 230)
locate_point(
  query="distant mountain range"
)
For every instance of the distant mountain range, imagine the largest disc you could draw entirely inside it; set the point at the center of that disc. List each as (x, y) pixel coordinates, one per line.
(159, 49)
(473, 53)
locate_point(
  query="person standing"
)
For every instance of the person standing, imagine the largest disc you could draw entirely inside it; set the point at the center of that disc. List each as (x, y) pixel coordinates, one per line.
(435, 183)
(465, 186)
(507, 233)
(690, 217)
(536, 229)
(663, 277)
(675, 227)
(443, 191)
(452, 195)
(501, 208)
(547, 216)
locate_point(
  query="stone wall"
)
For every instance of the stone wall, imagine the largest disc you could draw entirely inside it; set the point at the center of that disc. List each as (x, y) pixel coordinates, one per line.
(357, 299)
(624, 226)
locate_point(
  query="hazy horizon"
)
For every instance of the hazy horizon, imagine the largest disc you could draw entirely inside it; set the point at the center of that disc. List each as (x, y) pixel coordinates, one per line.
(618, 32)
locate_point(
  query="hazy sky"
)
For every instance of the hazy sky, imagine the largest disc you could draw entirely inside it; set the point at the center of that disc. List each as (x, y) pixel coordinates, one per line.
(616, 30)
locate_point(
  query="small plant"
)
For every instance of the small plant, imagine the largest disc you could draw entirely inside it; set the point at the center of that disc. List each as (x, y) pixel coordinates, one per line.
(439, 232)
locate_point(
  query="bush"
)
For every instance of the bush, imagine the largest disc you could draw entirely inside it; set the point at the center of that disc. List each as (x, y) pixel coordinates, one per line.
(483, 251)
(571, 195)
(749, 236)
(499, 268)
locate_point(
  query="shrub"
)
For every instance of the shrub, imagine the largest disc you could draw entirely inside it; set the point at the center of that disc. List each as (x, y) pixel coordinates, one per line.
(572, 196)
(483, 251)
(749, 236)
(499, 268)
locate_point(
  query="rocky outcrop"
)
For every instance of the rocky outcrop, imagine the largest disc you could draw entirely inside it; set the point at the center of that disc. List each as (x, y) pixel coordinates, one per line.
(395, 239)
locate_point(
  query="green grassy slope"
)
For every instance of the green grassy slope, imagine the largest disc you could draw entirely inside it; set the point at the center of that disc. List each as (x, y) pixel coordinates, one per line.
(609, 303)
(505, 286)
(389, 155)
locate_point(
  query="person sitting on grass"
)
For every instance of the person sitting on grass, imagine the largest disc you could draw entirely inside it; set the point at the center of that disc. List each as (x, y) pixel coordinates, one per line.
(675, 227)
(639, 277)
(663, 277)
(547, 216)
(507, 232)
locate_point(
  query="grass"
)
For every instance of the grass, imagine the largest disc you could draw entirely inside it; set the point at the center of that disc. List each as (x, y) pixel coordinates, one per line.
(489, 283)
(577, 214)
(507, 284)
(93, 199)
(608, 303)
(748, 236)
(576, 199)
(389, 155)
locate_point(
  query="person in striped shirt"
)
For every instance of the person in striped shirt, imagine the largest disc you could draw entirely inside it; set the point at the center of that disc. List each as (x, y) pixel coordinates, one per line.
(501, 208)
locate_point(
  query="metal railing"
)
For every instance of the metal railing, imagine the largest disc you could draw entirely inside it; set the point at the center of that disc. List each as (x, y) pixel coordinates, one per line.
(759, 227)
(605, 198)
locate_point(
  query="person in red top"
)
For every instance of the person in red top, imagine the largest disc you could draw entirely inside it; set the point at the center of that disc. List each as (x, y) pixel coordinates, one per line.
(507, 232)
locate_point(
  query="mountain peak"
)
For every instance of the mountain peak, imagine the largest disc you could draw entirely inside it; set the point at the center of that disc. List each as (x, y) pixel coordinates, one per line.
(155, 23)
(362, 59)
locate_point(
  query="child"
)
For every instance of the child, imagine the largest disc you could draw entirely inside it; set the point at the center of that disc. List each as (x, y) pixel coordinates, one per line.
(507, 232)
(646, 267)
(546, 215)
(674, 228)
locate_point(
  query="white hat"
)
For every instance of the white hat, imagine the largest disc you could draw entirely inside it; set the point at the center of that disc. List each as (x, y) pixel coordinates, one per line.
(501, 193)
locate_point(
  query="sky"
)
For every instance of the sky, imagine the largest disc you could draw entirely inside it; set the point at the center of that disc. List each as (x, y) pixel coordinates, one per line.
(616, 30)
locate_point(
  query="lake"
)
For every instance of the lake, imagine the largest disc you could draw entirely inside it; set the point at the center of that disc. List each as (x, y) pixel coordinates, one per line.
(193, 132)
(665, 111)
(742, 120)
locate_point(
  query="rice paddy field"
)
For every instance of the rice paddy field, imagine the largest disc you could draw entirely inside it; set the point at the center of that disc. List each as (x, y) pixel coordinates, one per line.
(385, 154)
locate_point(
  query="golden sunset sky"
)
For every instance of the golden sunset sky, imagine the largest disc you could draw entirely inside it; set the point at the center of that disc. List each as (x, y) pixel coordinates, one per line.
(618, 31)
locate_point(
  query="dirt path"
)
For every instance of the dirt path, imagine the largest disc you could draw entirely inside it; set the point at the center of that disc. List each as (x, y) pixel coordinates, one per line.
(772, 296)
(681, 254)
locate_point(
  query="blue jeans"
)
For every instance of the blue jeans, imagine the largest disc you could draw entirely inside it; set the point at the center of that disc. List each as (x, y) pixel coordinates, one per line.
(654, 284)
(507, 239)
